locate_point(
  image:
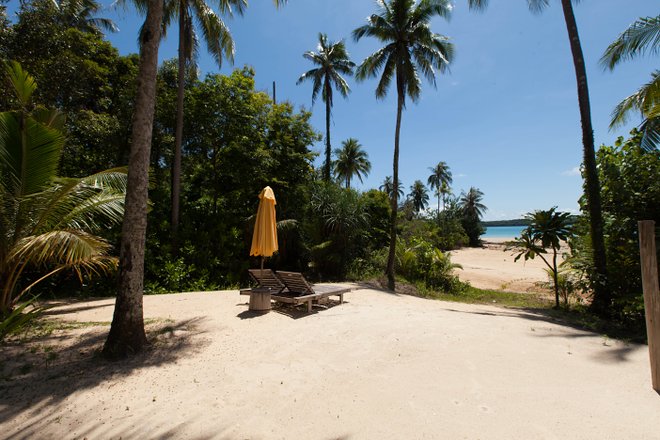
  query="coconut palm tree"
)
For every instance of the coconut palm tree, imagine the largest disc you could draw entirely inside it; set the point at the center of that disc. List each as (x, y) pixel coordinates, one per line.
(410, 50)
(127, 329)
(333, 61)
(388, 187)
(351, 161)
(219, 44)
(419, 196)
(641, 37)
(47, 222)
(470, 203)
(440, 180)
(602, 297)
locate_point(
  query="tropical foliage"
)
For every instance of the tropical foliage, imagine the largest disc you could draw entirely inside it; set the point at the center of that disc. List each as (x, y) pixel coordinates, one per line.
(410, 48)
(47, 222)
(643, 36)
(631, 192)
(546, 231)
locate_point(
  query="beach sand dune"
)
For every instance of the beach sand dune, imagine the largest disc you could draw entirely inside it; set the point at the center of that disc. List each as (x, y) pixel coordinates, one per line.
(380, 366)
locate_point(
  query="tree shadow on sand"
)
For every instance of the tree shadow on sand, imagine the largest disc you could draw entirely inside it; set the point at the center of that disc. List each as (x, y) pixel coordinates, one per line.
(40, 374)
(615, 351)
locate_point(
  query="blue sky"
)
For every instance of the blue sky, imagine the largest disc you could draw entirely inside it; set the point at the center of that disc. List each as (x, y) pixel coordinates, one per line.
(505, 118)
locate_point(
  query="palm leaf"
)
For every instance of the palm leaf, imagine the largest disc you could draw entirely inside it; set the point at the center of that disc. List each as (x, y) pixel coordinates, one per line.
(640, 37)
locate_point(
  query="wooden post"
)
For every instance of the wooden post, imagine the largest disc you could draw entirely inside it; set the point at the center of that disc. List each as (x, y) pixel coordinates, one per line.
(649, 264)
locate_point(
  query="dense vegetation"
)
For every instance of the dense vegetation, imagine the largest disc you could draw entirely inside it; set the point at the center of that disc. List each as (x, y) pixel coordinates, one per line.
(236, 140)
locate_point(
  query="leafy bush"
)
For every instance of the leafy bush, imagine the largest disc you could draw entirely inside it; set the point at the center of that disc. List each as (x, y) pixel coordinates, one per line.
(419, 260)
(630, 191)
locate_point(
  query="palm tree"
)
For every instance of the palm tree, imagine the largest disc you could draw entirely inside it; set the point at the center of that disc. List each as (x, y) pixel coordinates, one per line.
(127, 329)
(219, 43)
(388, 187)
(472, 210)
(602, 297)
(333, 61)
(470, 203)
(640, 37)
(419, 196)
(440, 180)
(46, 221)
(411, 49)
(351, 161)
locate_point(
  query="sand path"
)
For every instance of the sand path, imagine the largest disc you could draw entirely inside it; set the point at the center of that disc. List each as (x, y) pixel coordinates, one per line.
(381, 366)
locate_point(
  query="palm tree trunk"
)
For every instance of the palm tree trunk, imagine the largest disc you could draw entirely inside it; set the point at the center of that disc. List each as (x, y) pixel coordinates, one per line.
(602, 298)
(555, 277)
(395, 195)
(328, 149)
(127, 330)
(178, 134)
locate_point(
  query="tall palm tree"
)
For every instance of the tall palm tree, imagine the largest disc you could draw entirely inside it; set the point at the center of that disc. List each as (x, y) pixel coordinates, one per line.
(47, 221)
(219, 43)
(419, 196)
(440, 180)
(351, 161)
(333, 61)
(127, 329)
(388, 187)
(602, 297)
(641, 37)
(410, 49)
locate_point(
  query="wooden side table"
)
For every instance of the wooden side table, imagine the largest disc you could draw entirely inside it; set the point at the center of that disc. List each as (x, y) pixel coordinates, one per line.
(260, 299)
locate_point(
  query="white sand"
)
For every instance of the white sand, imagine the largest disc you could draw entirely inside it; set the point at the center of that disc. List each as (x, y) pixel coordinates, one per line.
(381, 366)
(491, 267)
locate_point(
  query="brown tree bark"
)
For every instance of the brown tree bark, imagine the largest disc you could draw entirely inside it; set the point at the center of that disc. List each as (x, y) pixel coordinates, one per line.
(327, 172)
(178, 134)
(602, 298)
(391, 285)
(127, 334)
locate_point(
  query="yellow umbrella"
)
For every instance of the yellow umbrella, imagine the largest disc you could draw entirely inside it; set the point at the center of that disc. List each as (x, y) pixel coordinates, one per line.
(264, 238)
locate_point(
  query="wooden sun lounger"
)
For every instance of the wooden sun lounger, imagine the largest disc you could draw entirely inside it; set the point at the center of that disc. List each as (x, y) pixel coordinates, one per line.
(299, 291)
(264, 278)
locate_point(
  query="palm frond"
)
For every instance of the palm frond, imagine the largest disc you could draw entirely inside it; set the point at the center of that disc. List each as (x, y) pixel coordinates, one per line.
(59, 248)
(644, 100)
(218, 38)
(23, 83)
(642, 36)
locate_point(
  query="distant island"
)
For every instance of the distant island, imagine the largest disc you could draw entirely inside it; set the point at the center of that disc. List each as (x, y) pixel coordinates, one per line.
(516, 222)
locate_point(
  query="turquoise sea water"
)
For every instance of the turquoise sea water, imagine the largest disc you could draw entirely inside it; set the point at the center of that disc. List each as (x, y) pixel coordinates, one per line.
(503, 231)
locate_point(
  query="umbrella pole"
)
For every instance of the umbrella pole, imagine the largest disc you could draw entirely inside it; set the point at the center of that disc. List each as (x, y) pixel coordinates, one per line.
(262, 267)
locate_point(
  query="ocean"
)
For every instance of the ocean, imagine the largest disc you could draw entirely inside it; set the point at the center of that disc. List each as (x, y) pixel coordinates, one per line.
(503, 231)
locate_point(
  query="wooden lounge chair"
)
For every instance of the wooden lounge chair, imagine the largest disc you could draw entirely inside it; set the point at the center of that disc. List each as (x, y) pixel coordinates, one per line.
(265, 278)
(299, 290)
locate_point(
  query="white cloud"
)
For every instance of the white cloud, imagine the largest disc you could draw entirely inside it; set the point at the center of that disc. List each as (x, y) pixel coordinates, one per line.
(572, 172)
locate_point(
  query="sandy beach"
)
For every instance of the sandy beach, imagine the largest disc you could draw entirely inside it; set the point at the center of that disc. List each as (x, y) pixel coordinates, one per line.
(491, 267)
(380, 366)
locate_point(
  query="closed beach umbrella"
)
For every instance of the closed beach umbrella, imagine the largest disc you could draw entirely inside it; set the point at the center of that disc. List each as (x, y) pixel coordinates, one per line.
(264, 238)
